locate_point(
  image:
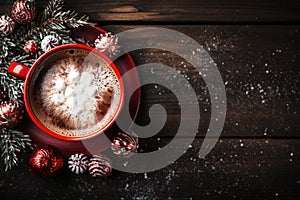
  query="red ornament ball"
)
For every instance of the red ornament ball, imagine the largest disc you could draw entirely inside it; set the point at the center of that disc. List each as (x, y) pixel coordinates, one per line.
(46, 161)
(23, 11)
(11, 113)
(7, 25)
(30, 47)
(99, 166)
(125, 144)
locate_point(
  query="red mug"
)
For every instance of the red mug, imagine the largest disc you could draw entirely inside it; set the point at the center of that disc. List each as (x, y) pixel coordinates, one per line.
(71, 121)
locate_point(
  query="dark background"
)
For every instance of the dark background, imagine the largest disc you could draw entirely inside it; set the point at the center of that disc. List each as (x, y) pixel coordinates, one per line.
(255, 45)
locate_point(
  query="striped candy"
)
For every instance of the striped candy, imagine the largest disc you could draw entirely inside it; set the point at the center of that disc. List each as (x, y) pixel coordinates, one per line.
(78, 163)
(107, 44)
(23, 11)
(7, 25)
(49, 42)
(99, 166)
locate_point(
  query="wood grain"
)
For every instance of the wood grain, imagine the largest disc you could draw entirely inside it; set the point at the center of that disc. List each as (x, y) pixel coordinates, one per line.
(257, 156)
(260, 68)
(191, 11)
(235, 169)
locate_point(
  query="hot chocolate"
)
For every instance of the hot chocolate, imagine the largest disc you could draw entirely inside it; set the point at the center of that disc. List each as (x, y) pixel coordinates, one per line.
(76, 94)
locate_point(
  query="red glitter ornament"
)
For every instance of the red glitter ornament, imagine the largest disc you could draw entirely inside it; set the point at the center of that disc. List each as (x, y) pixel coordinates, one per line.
(23, 11)
(46, 161)
(10, 114)
(30, 47)
(125, 144)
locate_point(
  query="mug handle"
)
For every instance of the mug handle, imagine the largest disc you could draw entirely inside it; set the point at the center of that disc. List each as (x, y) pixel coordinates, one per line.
(18, 70)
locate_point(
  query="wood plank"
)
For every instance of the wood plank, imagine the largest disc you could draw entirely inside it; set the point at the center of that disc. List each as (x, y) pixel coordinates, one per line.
(247, 169)
(203, 11)
(260, 68)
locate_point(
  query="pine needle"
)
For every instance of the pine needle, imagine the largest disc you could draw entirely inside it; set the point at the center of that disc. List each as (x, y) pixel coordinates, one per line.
(12, 142)
(51, 21)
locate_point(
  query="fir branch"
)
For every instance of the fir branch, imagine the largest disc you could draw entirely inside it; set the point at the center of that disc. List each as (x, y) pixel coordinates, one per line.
(13, 87)
(6, 45)
(51, 21)
(54, 19)
(12, 142)
(52, 9)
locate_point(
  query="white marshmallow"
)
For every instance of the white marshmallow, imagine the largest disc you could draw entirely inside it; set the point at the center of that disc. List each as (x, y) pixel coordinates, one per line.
(90, 91)
(80, 100)
(69, 91)
(86, 78)
(73, 76)
(71, 102)
(60, 84)
(79, 89)
(58, 99)
(77, 110)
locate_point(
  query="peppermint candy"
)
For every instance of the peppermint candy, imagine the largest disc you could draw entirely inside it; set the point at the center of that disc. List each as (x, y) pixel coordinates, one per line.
(78, 163)
(108, 44)
(99, 166)
(49, 42)
(7, 25)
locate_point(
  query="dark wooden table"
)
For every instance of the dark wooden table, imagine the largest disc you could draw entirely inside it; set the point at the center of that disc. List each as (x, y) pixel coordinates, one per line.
(256, 46)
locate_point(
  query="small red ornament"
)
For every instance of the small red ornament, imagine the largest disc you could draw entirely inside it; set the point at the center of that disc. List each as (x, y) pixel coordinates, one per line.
(125, 144)
(99, 166)
(30, 47)
(46, 161)
(23, 11)
(10, 114)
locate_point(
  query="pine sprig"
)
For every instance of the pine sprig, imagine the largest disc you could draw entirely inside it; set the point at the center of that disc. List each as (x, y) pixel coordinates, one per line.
(52, 9)
(64, 18)
(51, 21)
(6, 45)
(12, 142)
(12, 86)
